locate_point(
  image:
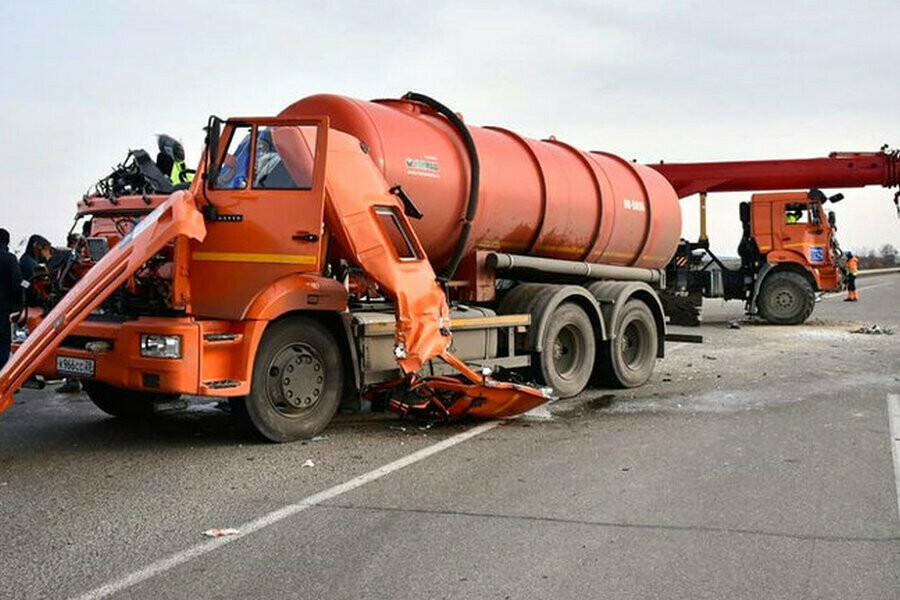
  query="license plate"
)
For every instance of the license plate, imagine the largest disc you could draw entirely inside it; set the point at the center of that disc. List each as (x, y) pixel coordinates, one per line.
(75, 366)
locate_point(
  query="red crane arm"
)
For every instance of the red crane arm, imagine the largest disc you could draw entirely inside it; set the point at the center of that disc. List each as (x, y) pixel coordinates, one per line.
(838, 170)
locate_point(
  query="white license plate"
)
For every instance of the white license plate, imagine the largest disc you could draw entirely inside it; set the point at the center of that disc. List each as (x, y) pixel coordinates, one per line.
(75, 366)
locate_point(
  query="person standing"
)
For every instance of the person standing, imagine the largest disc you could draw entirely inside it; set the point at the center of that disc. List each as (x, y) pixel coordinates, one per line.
(10, 293)
(852, 272)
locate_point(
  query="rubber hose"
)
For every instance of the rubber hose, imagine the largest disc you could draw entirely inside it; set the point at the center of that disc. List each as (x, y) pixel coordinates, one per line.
(472, 207)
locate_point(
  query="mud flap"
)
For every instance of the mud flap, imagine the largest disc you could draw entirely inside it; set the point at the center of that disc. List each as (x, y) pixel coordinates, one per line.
(371, 224)
(177, 216)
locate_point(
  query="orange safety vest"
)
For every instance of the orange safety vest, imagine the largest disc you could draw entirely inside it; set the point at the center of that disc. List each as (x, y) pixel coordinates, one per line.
(853, 266)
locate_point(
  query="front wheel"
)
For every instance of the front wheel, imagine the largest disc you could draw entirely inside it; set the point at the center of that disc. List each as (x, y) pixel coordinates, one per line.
(627, 360)
(297, 381)
(786, 298)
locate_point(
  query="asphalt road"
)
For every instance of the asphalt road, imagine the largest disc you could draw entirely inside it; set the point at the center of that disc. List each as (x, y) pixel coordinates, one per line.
(755, 465)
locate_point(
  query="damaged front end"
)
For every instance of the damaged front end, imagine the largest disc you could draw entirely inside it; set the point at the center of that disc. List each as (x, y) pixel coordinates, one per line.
(177, 217)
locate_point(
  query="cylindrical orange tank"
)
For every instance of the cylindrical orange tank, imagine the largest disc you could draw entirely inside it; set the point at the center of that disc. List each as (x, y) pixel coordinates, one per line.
(542, 198)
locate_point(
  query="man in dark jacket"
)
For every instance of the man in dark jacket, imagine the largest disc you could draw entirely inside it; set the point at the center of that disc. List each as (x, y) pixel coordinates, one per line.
(37, 251)
(10, 293)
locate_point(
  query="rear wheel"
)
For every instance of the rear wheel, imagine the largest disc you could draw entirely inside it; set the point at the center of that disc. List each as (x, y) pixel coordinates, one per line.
(297, 381)
(627, 360)
(119, 402)
(569, 350)
(786, 298)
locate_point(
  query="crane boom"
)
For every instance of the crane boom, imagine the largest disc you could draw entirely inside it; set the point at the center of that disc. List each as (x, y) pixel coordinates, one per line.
(837, 170)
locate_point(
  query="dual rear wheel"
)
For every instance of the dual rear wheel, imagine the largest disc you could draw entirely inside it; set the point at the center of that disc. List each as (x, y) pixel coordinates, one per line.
(572, 355)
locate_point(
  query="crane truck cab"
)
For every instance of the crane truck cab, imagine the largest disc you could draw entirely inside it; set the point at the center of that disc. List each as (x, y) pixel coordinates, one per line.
(790, 245)
(788, 253)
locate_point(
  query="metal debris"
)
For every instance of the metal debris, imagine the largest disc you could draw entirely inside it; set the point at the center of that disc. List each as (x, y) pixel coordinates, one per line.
(308, 463)
(735, 324)
(873, 330)
(217, 533)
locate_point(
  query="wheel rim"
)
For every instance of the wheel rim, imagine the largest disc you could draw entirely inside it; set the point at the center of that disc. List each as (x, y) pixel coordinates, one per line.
(567, 351)
(784, 302)
(295, 380)
(634, 344)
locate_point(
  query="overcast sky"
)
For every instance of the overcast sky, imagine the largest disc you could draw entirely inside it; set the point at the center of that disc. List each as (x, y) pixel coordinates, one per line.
(682, 81)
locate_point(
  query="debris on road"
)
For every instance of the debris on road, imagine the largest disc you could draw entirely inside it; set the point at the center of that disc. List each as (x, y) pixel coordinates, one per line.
(308, 463)
(708, 357)
(539, 413)
(319, 438)
(217, 533)
(734, 324)
(873, 330)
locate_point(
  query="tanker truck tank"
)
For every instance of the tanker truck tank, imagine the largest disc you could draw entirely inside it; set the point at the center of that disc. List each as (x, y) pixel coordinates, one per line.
(544, 199)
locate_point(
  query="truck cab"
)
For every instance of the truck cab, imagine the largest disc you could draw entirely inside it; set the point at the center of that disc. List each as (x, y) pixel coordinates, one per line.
(790, 250)
(792, 231)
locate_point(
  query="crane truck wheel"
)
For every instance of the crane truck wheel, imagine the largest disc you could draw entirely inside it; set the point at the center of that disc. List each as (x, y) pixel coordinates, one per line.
(297, 381)
(119, 402)
(786, 298)
(627, 360)
(569, 351)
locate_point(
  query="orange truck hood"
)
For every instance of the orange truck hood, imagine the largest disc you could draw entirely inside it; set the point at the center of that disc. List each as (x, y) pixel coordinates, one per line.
(177, 216)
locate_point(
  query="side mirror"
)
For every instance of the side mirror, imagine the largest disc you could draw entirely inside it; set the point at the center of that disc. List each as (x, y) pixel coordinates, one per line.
(836, 198)
(213, 134)
(832, 219)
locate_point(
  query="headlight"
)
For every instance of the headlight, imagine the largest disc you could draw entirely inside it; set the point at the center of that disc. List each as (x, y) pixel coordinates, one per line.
(160, 346)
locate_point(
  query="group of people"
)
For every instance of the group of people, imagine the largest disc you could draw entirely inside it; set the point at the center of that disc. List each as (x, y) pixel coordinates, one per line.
(13, 294)
(12, 273)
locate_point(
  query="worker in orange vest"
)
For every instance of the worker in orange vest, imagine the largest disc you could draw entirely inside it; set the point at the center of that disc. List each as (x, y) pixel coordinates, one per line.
(852, 272)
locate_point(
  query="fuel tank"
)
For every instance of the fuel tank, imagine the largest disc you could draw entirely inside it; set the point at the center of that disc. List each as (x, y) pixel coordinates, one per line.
(541, 198)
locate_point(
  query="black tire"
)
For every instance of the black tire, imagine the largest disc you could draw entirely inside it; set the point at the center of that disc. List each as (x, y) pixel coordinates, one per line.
(569, 351)
(627, 360)
(122, 403)
(786, 298)
(297, 381)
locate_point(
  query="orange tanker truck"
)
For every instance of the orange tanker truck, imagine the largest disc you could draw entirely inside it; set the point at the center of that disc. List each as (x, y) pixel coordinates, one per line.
(350, 251)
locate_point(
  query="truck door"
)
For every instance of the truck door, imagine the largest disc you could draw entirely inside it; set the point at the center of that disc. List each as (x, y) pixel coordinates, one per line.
(269, 198)
(802, 231)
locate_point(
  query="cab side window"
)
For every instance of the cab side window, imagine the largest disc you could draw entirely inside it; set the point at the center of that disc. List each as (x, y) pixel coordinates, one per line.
(796, 213)
(285, 157)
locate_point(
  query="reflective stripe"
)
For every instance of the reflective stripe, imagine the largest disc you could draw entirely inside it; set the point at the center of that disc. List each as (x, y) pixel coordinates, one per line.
(247, 257)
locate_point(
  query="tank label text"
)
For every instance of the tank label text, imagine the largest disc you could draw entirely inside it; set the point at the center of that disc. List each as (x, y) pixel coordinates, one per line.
(636, 205)
(427, 166)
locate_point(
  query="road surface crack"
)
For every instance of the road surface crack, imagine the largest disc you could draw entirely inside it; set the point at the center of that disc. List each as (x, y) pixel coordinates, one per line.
(618, 525)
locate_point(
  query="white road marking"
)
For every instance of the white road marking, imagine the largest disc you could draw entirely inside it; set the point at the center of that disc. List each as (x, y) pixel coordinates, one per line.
(858, 289)
(893, 402)
(170, 562)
